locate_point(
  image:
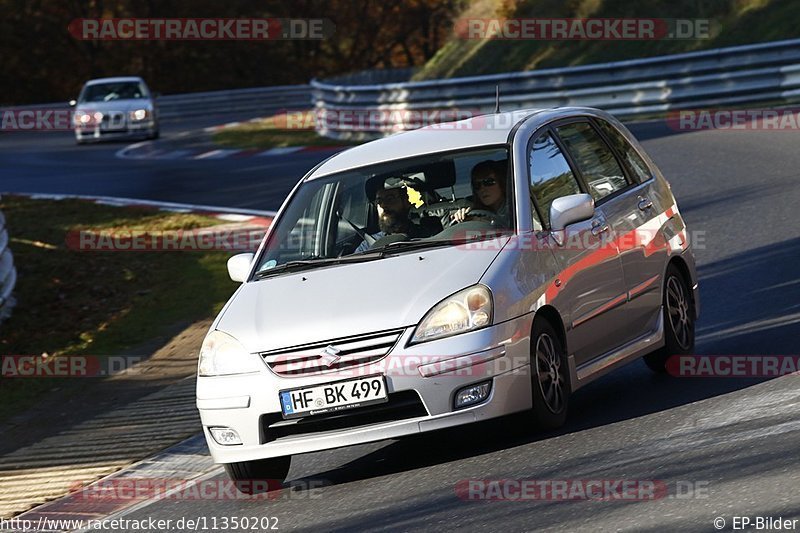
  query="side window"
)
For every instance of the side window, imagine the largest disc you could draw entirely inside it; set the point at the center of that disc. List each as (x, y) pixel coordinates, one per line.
(305, 238)
(550, 174)
(640, 170)
(595, 161)
(352, 207)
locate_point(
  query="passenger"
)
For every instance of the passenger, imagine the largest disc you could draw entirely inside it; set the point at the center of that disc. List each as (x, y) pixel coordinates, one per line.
(489, 194)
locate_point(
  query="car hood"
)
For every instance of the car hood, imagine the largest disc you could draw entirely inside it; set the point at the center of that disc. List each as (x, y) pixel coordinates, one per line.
(350, 299)
(116, 105)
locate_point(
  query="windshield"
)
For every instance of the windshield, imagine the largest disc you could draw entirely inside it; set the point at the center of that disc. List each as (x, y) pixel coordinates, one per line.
(107, 92)
(425, 201)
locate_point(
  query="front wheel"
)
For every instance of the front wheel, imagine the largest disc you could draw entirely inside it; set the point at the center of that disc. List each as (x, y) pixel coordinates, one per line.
(679, 321)
(550, 375)
(264, 475)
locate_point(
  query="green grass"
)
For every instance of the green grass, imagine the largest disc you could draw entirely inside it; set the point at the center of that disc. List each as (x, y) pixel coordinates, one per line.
(98, 303)
(278, 131)
(733, 22)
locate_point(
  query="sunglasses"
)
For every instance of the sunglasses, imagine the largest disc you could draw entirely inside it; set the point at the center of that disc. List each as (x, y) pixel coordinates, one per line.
(485, 182)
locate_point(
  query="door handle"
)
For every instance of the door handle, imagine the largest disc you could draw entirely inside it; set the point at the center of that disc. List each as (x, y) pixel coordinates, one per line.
(645, 203)
(599, 227)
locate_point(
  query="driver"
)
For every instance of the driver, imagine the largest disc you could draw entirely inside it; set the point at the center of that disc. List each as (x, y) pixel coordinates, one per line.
(393, 209)
(489, 192)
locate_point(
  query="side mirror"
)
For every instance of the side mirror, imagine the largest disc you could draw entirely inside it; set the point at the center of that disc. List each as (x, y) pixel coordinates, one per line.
(569, 210)
(239, 266)
(73, 103)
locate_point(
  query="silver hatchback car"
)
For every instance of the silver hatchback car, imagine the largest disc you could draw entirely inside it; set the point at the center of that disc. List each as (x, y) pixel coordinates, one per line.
(445, 276)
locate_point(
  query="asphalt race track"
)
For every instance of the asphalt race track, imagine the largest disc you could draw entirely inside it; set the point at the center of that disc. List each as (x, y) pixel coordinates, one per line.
(733, 441)
(50, 162)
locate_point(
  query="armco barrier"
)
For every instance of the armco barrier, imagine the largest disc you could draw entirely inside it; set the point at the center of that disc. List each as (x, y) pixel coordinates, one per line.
(258, 100)
(8, 274)
(760, 73)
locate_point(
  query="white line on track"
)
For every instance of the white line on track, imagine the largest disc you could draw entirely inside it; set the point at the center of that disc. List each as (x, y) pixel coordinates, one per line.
(123, 152)
(175, 154)
(111, 200)
(281, 151)
(216, 154)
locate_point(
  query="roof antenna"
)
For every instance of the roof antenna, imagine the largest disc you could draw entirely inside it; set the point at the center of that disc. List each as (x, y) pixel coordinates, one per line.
(496, 99)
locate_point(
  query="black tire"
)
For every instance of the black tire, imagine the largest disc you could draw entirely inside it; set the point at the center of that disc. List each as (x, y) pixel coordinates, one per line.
(153, 136)
(550, 380)
(679, 320)
(253, 477)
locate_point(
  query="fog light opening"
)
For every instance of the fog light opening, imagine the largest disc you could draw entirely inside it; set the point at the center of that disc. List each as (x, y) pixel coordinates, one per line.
(225, 436)
(472, 394)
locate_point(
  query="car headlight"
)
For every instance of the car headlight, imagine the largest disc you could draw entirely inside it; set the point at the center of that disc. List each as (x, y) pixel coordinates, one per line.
(466, 310)
(222, 355)
(139, 114)
(82, 118)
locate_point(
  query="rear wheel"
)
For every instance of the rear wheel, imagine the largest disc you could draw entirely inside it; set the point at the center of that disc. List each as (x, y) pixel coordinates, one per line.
(679, 320)
(550, 375)
(264, 475)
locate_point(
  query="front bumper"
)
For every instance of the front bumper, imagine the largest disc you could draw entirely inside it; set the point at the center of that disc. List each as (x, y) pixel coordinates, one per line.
(131, 130)
(248, 403)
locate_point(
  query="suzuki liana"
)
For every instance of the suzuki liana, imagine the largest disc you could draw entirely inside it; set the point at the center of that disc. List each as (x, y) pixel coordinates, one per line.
(445, 276)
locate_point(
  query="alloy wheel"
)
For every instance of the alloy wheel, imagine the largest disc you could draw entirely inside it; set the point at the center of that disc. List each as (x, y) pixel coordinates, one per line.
(549, 373)
(679, 312)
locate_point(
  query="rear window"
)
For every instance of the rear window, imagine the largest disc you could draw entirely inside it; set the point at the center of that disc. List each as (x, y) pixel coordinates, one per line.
(595, 161)
(638, 168)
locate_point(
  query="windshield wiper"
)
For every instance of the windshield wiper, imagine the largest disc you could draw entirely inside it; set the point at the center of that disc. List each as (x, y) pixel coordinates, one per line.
(408, 245)
(307, 264)
(418, 244)
(290, 266)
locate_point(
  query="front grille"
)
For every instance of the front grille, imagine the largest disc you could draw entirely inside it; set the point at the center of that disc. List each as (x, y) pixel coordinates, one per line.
(113, 120)
(351, 351)
(401, 406)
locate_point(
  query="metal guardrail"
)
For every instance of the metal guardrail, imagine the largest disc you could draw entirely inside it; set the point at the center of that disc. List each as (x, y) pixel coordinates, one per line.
(8, 274)
(256, 100)
(767, 72)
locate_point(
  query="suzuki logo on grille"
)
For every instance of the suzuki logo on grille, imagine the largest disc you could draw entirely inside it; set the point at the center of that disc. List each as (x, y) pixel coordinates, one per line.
(330, 355)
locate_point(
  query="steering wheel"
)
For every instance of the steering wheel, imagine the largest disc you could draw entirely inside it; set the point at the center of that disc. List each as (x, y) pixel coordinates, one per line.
(483, 213)
(478, 213)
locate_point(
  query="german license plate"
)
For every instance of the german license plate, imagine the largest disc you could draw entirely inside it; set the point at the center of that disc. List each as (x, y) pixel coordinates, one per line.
(113, 122)
(333, 397)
